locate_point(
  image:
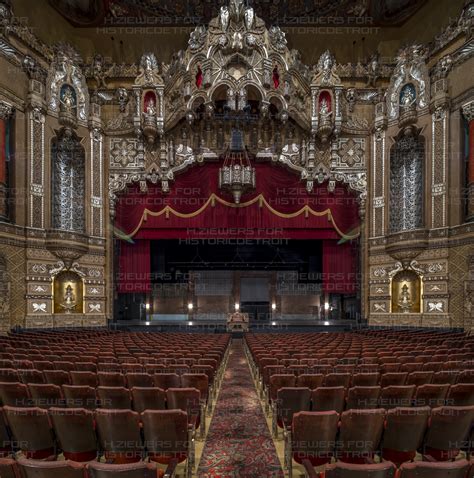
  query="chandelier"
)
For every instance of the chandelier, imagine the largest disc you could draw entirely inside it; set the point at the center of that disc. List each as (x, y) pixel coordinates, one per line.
(237, 174)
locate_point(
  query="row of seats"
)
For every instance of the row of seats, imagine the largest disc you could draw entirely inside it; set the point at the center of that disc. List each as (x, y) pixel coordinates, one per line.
(68, 469)
(358, 436)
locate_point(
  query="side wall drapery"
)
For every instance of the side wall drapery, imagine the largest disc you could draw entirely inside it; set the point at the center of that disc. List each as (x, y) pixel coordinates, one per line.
(134, 267)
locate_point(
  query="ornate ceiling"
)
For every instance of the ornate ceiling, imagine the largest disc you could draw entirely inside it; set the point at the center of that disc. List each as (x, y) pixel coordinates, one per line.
(86, 13)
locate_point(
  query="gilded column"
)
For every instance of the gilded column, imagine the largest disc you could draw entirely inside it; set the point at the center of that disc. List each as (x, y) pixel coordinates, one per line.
(468, 113)
(5, 112)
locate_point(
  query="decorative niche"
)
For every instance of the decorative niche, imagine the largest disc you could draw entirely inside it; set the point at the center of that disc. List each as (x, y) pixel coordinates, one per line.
(406, 292)
(68, 293)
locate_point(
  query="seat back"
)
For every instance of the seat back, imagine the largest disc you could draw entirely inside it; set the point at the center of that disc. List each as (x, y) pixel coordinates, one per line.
(80, 396)
(119, 435)
(313, 436)
(365, 379)
(395, 396)
(50, 469)
(166, 435)
(291, 400)
(337, 380)
(167, 380)
(57, 377)
(424, 469)
(328, 398)
(114, 398)
(404, 432)
(147, 398)
(128, 470)
(199, 381)
(349, 470)
(278, 381)
(460, 395)
(14, 394)
(83, 377)
(448, 429)
(31, 430)
(310, 380)
(74, 428)
(137, 379)
(361, 431)
(363, 397)
(432, 395)
(111, 379)
(46, 395)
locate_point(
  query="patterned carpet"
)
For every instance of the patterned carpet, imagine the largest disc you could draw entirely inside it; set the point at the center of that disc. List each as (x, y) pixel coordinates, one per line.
(238, 444)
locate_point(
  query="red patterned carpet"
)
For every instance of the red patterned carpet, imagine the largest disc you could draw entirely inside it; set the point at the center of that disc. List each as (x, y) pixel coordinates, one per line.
(239, 444)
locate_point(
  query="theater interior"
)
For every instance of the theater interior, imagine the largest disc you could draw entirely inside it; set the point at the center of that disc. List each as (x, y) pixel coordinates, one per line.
(236, 238)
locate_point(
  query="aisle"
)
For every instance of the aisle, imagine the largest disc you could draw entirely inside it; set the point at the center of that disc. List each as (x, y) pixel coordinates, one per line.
(238, 444)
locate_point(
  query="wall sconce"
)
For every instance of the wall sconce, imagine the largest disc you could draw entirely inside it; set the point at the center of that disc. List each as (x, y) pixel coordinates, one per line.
(190, 306)
(147, 306)
(326, 306)
(274, 306)
(237, 306)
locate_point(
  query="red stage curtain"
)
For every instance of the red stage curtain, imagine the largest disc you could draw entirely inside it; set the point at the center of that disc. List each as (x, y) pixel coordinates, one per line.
(134, 267)
(339, 266)
(283, 190)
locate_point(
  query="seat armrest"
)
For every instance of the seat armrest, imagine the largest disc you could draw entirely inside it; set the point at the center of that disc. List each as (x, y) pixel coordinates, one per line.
(309, 469)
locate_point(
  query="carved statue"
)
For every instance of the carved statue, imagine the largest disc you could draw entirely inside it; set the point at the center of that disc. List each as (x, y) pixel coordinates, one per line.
(148, 71)
(98, 71)
(197, 37)
(67, 100)
(69, 302)
(404, 300)
(325, 74)
(249, 17)
(373, 69)
(407, 97)
(324, 107)
(150, 107)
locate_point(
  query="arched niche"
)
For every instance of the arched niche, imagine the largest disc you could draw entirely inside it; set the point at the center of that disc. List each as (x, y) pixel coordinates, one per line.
(149, 102)
(406, 292)
(68, 293)
(407, 158)
(68, 182)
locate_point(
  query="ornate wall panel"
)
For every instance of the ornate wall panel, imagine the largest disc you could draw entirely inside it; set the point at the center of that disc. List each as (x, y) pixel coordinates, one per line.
(37, 168)
(378, 183)
(68, 174)
(406, 184)
(97, 181)
(438, 168)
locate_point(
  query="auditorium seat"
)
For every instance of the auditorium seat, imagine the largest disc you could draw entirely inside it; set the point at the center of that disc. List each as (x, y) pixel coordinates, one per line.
(148, 398)
(337, 380)
(404, 432)
(86, 367)
(423, 469)
(83, 377)
(46, 395)
(290, 400)
(310, 380)
(445, 376)
(393, 378)
(188, 400)
(313, 435)
(31, 431)
(363, 397)
(57, 377)
(80, 396)
(128, 470)
(9, 375)
(360, 434)
(14, 394)
(460, 395)
(43, 365)
(432, 395)
(167, 438)
(64, 365)
(365, 379)
(350, 470)
(466, 376)
(419, 378)
(30, 375)
(114, 398)
(75, 432)
(139, 379)
(448, 431)
(5, 443)
(397, 396)
(111, 379)
(119, 435)
(328, 398)
(278, 381)
(167, 380)
(50, 469)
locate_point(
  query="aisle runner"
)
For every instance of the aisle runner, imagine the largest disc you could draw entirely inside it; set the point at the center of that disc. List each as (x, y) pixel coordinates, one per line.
(239, 444)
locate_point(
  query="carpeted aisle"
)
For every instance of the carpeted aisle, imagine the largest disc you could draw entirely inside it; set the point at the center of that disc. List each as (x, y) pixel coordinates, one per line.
(239, 444)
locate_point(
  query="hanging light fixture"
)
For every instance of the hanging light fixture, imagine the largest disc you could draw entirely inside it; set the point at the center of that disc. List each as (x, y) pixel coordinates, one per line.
(237, 174)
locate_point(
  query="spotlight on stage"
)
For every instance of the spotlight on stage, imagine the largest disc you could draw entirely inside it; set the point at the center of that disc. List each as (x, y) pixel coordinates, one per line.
(237, 306)
(274, 323)
(274, 306)
(147, 306)
(190, 306)
(326, 306)
(326, 323)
